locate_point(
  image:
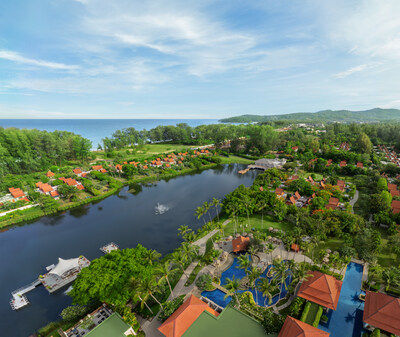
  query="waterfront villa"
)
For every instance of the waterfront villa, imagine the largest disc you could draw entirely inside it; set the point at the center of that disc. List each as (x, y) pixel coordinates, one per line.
(240, 244)
(382, 311)
(102, 322)
(321, 289)
(63, 273)
(17, 193)
(49, 174)
(77, 171)
(295, 328)
(194, 318)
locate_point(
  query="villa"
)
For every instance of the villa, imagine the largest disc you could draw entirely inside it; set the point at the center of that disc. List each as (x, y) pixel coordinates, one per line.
(333, 203)
(295, 328)
(321, 289)
(383, 312)
(102, 322)
(396, 206)
(343, 163)
(360, 165)
(195, 318)
(49, 174)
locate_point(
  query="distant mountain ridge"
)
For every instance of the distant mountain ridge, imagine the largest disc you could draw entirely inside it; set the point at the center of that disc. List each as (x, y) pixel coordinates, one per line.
(344, 116)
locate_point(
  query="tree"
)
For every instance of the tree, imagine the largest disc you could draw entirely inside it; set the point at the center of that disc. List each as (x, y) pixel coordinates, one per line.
(267, 289)
(148, 286)
(253, 276)
(367, 244)
(73, 312)
(272, 323)
(364, 144)
(164, 270)
(182, 230)
(233, 286)
(216, 202)
(244, 263)
(67, 191)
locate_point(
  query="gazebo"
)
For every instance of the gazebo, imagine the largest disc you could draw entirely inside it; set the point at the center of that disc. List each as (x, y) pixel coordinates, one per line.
(295, 328)
(321, 289)
(65, 267)
(383, 312)
(240, 244)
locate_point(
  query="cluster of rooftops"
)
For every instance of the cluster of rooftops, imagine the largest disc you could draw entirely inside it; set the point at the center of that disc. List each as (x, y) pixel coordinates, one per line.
(195, 317)
(390, 154)
(303, 201)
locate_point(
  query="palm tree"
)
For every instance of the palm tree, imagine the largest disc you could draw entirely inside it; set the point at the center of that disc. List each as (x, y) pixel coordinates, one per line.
(206, 207)
(281, 272)
(391, 276)
(148, 286)
(267, 289)
(164, 270)
(252, 251)
(244, 263)
(182, 230)
(134, 286)
(179, 259)
(261, 205)
(232, 285)
(152, 255)
(216, 202)
(253, 276)
(200, 213)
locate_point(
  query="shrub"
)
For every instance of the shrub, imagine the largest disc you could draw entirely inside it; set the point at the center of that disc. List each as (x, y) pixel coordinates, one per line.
(204, 282)
(305, 312)
(318, 316)
(324, 318)
(296, 306)
(376, 333)
(170, 307)
(272, 323)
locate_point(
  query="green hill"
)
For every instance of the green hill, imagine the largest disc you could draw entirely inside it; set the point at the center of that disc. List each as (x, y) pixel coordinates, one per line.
(344, 116)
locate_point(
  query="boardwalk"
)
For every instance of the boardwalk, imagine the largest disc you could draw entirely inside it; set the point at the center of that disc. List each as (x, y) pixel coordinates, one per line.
(19, 300)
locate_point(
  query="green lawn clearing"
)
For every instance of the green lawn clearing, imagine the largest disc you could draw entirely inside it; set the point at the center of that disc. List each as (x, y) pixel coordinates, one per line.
(235, 159)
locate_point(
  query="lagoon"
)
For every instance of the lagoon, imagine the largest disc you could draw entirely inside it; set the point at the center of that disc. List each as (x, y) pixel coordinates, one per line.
(126, 218)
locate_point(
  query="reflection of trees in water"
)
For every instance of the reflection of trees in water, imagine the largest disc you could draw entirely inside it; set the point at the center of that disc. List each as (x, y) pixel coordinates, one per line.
(79, 212)
(51, 220)
(135, 188)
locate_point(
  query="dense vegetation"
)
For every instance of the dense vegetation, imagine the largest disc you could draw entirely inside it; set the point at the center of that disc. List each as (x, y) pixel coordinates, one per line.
(26, 151)
(372, 115)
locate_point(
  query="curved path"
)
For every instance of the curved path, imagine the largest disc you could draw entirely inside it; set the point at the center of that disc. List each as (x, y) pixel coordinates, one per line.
(353, 201)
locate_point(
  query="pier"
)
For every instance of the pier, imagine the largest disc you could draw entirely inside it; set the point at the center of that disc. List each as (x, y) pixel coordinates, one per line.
(19, 300)
(108, 248)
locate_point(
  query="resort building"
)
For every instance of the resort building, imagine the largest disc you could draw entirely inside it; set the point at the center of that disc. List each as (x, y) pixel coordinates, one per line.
(295, 328)
(177, 324)
(333, 203)
(341, 184)
(194, 318)
(240, 244)
(78, 172)
(49, 174)
(382, 311)
(264, 164)
(343, 163)
(63, 273)
(395, 206)
(360, 165)
(321, 289)
(44, 188)
(102, 322)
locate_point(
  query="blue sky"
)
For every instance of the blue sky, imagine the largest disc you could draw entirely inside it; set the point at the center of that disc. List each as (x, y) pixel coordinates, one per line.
(196, 59)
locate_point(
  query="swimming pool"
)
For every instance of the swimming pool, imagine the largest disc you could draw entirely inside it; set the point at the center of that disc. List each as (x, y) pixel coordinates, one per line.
(347, 319)
(217, 296)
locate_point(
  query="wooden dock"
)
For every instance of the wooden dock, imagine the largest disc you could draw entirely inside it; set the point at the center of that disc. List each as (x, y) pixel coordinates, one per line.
(19, 300)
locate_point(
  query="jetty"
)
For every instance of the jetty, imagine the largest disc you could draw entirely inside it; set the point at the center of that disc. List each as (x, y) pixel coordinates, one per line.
(109, 247)
(19, 299)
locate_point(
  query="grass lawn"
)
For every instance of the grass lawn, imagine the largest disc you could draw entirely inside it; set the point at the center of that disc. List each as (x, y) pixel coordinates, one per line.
(312, 313)
(255, 222)
(333, 244)
(386, 258)
(318, 177)
(235, 159)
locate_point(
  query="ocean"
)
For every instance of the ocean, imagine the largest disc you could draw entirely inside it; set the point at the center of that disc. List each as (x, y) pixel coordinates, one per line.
(96, 129)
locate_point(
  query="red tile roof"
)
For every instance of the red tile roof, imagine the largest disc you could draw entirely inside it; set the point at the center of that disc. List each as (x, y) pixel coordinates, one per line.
(97, 167)
(343, 163)
(177, 324)
(103, 171)
(16, 192)
(297, 195)
(54, 194)
(80, 187)
(382, 311)
(295, 247)
(118, 167)
(25, 199)
(360, 165)
(84, 174)
(292, 200)
(333, 203)
(279, 191)
(395, 206)
(239, 244)
(49, 174)
(45, 188)
(321, 289)
(394, 193)
(77, 171)
(295, 328)
(392, 187)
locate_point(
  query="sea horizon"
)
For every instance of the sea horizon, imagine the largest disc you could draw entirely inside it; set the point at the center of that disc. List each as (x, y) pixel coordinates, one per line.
(97, 129)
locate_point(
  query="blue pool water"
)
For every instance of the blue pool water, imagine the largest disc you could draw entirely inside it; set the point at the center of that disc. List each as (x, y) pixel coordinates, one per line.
(217, 296)
(347, 319)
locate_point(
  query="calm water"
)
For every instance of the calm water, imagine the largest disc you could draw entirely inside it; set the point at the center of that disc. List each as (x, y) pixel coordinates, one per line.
(347, 319)
(125, 219)
(96, 129)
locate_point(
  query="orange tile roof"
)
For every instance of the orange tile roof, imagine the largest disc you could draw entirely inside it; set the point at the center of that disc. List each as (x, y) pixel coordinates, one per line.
(360, 165)
(292, 200)
(77, 171)
(343, 163)
(295, 328)
(80, 187)
(279, 191)
(239, 244)
(395, 206)
(382, 311)
(103, 171)
(39, 184)
(333, 203)
(84, 174)
(25, 199)
(70, 182)
(145, 167)
(49, 174)
(297, 195)
(177, 324)
(295, 247)
(54, 194)
(321, 289)
(16, 192)
(392, 187)
(97, 167)
(45, 188)
(167, 165)
(118, 167)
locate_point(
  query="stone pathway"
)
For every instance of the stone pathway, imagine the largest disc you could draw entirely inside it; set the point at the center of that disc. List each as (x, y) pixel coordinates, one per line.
(353, 201)
(202, 241)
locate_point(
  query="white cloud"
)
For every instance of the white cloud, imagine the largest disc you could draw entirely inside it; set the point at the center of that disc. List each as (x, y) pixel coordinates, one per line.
(356, 69)
(16, 57)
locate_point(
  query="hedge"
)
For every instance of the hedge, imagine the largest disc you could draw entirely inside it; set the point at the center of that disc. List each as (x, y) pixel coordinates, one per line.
(305, 312)
(318, 316)
(376, 333)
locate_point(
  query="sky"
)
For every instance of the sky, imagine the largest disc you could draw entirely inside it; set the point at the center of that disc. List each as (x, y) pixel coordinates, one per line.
(196, 59)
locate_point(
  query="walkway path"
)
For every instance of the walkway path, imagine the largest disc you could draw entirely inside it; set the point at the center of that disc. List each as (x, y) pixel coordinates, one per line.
(353, 201)
(202, 241)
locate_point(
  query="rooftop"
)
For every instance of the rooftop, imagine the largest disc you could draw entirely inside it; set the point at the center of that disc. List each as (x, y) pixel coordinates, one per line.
(321, 289)
(295, 328)
(239, 244)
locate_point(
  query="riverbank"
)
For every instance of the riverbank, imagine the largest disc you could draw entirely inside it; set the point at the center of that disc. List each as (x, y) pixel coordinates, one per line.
(35, 213)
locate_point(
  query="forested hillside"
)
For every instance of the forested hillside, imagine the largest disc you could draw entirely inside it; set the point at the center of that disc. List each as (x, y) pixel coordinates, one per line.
(372, 115)
(26, 151)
